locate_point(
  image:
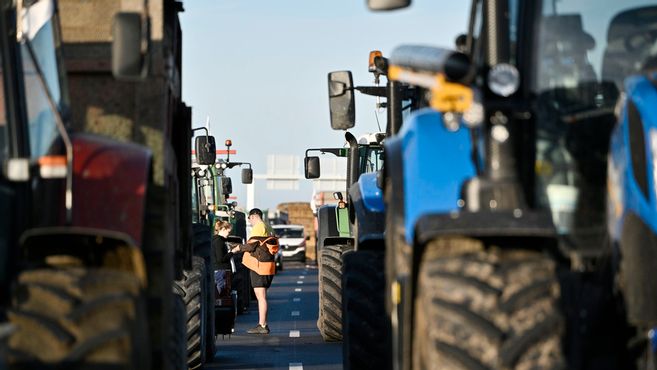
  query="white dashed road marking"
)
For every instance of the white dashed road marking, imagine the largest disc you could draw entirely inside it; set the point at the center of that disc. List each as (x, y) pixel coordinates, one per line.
(296, 366)
(299, 282)
(295, 313)
(295, 334)
(296, 299)
(297, 289)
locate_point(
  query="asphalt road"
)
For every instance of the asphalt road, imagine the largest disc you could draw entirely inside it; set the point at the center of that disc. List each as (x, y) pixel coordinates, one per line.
(294, 342)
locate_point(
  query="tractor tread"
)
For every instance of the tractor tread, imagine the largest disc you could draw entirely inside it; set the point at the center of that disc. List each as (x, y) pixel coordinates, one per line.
(70, 317)
(191, 285)
(365, 325)
(329, 322)
(487, 308)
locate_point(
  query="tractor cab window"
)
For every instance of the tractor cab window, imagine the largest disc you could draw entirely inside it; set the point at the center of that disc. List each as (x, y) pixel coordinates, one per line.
(40, 52)
(202, 194)
(371, 158)
(582, 56)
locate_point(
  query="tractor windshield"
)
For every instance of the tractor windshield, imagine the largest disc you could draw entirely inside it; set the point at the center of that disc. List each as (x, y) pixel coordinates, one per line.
(371, 158)
(40, 53)
(584, 50)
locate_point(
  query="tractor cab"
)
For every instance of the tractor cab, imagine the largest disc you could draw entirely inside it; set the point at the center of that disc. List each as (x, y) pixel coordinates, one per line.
(543, 88)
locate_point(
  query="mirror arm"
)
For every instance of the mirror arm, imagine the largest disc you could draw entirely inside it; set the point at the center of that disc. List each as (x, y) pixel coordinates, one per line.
(372, 90)
(233, 164)
(207, 134)
(334, 151)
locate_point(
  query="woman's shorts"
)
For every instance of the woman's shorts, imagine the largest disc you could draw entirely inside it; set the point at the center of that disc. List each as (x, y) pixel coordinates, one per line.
(260, 281)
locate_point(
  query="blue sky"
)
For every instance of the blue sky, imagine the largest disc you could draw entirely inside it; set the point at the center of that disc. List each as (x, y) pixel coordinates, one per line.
(259, 70)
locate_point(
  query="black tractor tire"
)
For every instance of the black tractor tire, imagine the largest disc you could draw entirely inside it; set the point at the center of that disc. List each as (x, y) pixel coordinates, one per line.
(365, 324)
(178, 348)
(487, 308)
(192, 285)
(203, 249)
(329, 321)
(78, 318)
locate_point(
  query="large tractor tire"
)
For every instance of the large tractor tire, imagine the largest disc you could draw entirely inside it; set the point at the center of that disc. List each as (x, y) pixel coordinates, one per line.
(480, 308)
(365, 324)
(193, 287)
(178, 344)
(329, 321)
(79, 318)
(203, 249)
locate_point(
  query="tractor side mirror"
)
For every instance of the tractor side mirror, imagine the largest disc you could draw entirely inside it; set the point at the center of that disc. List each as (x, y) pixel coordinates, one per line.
(129, 60)
(247, 176)
(387, 4)
(341, 100)
(226, 185)
(311, 167)
(206, 150)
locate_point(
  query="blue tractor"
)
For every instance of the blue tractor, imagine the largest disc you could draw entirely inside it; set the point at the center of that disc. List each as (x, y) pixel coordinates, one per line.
(497, 255)
(632, 175)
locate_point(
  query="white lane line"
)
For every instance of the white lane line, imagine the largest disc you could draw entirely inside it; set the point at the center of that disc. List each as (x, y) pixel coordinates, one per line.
(296, 366)
(295, 313)
(299, 282)
(297, 289)
(301, 277)
(296, 299)
(295, 334)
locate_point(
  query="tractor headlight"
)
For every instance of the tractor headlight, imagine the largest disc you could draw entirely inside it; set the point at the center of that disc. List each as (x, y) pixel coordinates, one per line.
(503, 79)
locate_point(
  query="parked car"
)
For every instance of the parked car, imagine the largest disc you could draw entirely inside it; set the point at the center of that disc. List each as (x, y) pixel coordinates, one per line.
(292, 240)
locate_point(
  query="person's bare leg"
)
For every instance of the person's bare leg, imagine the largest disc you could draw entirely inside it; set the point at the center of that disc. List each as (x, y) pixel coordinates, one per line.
(261, 296)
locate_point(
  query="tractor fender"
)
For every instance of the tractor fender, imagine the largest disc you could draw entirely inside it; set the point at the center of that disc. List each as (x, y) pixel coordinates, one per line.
(338, 240)
(366, 209)
(110, 180)
(436, 163)
(327, 225)
(99, 248)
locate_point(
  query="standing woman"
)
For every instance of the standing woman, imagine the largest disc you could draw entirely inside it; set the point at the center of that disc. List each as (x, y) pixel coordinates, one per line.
(221, 255)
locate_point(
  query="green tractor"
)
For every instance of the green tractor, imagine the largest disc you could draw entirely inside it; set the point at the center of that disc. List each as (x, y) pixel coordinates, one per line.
(216, 207)
(335, 236)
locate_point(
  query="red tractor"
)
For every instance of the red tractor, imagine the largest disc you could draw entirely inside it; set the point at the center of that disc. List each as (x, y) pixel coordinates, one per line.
(93, 230)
